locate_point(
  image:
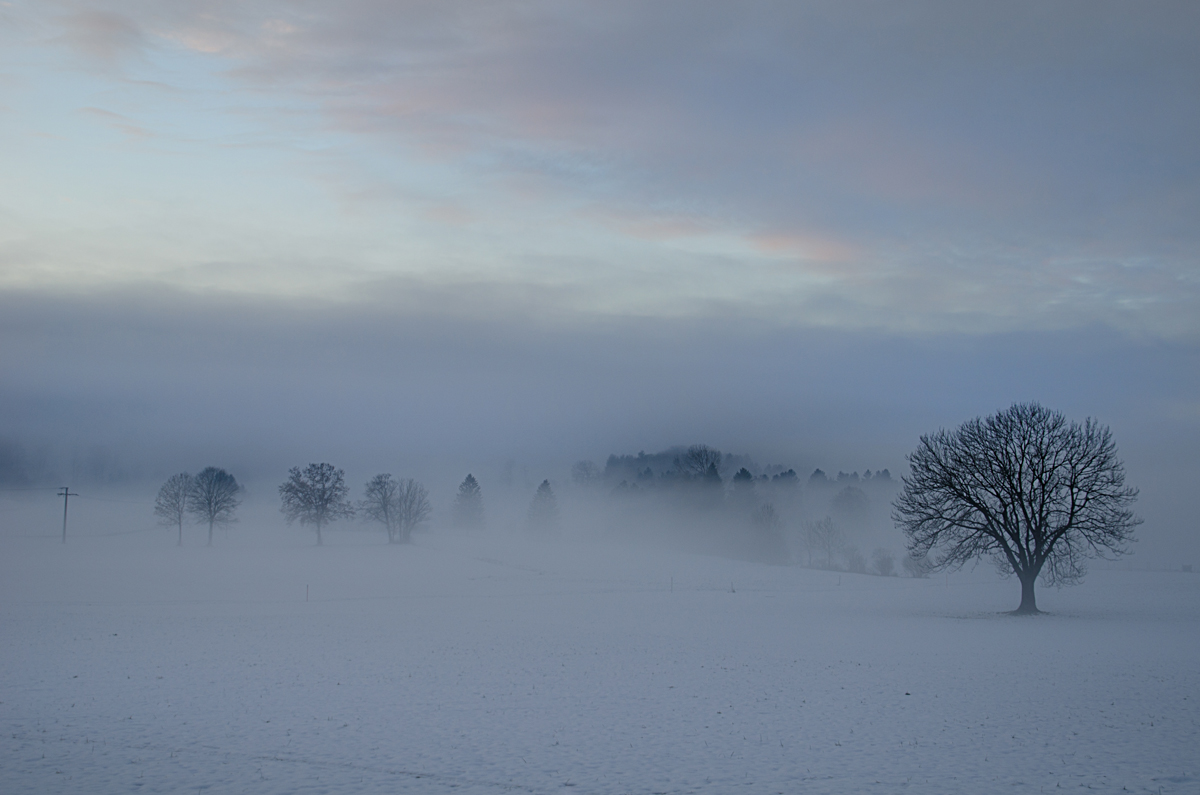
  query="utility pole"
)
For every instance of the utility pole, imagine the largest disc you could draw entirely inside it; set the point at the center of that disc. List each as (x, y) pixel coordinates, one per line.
(65, 494)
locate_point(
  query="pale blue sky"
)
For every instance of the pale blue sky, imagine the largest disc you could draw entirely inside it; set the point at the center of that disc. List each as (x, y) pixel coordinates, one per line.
(943, 167)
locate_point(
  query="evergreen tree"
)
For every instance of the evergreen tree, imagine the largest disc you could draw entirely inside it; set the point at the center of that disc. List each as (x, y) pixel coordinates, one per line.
(543, 511)
(468, 504)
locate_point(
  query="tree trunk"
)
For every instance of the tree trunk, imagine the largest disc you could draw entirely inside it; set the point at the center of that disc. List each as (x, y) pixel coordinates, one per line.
(180, 532)
(1028, 600)
(210, 526)
(318, 534)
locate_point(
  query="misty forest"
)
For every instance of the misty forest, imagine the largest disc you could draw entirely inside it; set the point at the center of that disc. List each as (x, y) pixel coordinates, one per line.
(615, 398)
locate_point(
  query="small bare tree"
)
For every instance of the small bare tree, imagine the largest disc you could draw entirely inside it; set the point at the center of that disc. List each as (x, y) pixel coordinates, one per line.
(316, 496)
(213, 498)
(412, 507)
(1025, 488)
(823, 536)
(171, 504)
(379, 504)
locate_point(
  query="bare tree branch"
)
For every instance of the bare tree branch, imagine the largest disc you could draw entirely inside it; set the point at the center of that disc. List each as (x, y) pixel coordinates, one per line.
(316, 496)
(171, 505)
(412, 507)
(1025, 488)
(214, 498)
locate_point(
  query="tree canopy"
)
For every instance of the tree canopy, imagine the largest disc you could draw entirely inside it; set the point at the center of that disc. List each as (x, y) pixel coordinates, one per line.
(1025, 488)
(379, 504)
(543, 510)
(316, 496)
(468, 504)
(171, 504)
(213, 498)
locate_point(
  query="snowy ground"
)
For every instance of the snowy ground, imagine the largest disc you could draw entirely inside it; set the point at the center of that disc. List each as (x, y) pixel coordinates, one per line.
(129, 665)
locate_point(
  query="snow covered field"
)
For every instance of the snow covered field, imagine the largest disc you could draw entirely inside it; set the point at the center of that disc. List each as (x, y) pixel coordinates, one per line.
(129, 665)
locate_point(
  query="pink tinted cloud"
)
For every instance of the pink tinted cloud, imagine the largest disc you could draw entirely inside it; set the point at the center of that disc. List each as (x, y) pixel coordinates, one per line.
(806, 246)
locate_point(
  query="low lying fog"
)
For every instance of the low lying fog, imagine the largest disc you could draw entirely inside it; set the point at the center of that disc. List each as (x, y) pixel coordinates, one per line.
(683, 575)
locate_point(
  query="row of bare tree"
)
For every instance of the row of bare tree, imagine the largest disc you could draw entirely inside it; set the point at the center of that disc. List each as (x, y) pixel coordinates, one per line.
(316, 496)
(211, 496)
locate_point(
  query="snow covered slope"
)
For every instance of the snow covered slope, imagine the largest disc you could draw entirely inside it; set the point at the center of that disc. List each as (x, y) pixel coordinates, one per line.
(130, 665)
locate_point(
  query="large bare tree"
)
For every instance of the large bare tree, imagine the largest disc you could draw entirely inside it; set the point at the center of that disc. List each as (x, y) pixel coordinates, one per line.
(1025, 488)
(316, 496)
(214, 498)
(412, 507)
(823, 536)
(172, 502)
(379, 504)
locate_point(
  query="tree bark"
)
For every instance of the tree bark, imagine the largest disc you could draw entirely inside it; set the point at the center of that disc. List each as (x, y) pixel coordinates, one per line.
(1028, 600)
(180, 532)
(210, 527)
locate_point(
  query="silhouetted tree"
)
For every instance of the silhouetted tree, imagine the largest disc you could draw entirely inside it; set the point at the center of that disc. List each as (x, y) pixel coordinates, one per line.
(413, 508)
(743, 488)
(698, 460)
(543, 511)
(786, 478)
(1026, 488)
(214, 498)
(171, 505)
(379, 504)
(316, 496)
(468, 504)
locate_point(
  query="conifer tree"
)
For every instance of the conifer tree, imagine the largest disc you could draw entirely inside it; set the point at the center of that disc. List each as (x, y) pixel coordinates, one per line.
(468, 504)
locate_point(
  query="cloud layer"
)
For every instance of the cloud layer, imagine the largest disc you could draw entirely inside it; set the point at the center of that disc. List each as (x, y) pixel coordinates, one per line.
(936, 167)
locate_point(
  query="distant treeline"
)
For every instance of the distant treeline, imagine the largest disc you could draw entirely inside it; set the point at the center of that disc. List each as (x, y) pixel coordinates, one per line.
(695, 498)
(673, 463)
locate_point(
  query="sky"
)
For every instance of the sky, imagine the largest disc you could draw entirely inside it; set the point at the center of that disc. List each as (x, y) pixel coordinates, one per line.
(449, 234)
